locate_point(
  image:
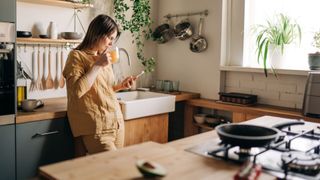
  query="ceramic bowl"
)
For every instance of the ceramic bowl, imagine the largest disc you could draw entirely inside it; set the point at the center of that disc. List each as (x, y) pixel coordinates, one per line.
(71, 35)
(29, 104)
(200, 118)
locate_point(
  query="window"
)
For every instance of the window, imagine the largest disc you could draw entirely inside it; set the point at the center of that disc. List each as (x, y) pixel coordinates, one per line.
(305, 12)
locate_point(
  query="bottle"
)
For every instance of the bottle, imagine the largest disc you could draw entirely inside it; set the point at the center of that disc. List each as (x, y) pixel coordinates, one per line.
(53, 31)
(21, 91)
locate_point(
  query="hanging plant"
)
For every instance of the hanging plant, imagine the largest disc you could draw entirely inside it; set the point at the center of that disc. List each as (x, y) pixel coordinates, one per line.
(139, 26)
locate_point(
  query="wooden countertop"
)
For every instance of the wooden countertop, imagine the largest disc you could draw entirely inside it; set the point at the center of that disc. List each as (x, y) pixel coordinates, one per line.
(179, 163)
(257, 109)
(57, 108)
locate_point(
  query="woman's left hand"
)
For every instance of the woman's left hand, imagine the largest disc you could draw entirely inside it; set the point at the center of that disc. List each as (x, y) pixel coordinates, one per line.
(128, 82)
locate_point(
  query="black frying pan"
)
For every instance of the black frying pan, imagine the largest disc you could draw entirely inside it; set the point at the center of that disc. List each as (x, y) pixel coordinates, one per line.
(247, 136)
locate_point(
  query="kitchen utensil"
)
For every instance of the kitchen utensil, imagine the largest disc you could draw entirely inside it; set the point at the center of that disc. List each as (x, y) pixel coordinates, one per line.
(33, 85)
(39, 81)
(199, 43)
(49, 80)
(163, 33)
(247, 136)
(61, 81)
(24, 34)
(183, 30)
(58, 70)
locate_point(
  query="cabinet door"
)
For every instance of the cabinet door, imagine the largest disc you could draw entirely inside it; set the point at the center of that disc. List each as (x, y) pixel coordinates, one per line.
(7, 152)
(8, 11)
(151, 128)
(40, 143)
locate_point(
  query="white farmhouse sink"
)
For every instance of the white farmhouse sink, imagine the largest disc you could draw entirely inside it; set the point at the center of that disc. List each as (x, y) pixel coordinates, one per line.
(136, 104)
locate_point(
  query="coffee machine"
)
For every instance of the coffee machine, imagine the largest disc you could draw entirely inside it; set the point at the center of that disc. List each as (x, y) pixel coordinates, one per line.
(311, 102)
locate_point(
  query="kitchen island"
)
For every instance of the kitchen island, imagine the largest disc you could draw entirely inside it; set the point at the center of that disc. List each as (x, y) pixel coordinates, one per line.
(179, 163)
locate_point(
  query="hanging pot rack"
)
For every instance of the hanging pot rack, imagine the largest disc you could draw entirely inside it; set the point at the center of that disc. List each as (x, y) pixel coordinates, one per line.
(201, 13)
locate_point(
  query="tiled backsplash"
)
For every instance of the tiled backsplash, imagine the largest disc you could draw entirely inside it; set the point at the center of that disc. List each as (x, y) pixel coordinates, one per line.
(286, 91)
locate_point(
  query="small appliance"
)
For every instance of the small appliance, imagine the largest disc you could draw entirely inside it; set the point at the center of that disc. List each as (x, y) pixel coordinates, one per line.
(311, 102)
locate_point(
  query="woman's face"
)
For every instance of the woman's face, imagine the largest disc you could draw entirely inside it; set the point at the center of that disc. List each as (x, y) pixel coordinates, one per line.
(107, 41)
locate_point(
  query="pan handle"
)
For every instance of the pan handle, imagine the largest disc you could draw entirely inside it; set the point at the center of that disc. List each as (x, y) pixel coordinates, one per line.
(286, 124)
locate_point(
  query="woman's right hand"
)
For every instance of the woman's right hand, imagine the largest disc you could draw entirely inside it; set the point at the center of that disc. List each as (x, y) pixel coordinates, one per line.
(103, 59)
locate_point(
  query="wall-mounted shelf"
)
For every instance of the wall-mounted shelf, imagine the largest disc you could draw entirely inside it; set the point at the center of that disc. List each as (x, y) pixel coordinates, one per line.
(60, 3)
(46, 41)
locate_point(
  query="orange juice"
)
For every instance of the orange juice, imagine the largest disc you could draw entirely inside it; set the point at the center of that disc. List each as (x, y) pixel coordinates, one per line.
(114, 55)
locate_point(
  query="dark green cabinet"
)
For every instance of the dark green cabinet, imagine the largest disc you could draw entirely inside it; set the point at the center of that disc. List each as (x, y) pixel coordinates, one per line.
(7, 152)
(40, 143)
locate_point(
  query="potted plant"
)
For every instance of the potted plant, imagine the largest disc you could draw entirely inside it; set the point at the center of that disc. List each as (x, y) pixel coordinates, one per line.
(314, 58)
(139, 25)
(276, 34)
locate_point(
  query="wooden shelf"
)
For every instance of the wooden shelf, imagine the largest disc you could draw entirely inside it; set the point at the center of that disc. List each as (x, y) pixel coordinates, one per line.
(60, 3)
(46, 41)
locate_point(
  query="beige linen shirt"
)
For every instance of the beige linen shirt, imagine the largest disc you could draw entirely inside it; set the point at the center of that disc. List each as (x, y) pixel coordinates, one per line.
(91, 110)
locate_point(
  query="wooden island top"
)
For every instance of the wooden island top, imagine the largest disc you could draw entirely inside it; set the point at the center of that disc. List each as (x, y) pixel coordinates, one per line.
(179, 163)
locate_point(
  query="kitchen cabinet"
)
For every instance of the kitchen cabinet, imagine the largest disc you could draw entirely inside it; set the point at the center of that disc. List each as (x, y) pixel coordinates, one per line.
(7, 151)
(8, 11)
(151, 128)
(239, 113)
(40, 143)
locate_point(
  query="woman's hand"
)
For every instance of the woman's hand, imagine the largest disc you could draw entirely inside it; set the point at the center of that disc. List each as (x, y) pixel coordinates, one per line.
(125, 84)
(103, 59)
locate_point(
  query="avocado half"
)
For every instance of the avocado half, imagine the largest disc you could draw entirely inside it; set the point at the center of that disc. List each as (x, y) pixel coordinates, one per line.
(150, 169)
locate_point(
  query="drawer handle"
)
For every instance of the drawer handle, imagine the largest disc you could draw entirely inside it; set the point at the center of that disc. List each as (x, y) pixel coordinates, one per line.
(46, 133)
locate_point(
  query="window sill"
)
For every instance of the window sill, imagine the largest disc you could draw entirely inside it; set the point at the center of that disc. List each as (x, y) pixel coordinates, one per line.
(260, 70)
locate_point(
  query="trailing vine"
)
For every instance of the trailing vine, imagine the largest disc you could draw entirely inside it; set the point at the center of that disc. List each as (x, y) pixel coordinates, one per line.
(139, 26)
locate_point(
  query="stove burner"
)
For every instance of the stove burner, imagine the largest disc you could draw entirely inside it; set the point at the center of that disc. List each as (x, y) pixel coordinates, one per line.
(244, 152)
(301, 162)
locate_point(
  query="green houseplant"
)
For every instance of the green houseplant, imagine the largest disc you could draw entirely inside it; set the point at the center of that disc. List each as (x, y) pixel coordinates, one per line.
(139, 25)
(314, 58)
(278, 33)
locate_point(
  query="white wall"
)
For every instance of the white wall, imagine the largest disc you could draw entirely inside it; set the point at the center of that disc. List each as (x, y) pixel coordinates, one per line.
(286, 91)
(28, 14)
(197, 72)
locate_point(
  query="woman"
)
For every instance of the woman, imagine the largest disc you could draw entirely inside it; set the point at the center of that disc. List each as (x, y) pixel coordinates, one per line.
(93, 110)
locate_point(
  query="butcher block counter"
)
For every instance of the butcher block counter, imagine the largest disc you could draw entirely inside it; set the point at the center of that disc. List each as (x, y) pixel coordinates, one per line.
(179, 163)
(57, 108)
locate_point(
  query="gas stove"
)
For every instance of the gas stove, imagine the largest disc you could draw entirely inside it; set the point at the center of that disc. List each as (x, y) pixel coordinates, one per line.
(296, 156)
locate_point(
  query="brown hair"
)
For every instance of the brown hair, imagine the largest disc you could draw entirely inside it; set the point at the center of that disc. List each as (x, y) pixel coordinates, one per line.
(100, 26)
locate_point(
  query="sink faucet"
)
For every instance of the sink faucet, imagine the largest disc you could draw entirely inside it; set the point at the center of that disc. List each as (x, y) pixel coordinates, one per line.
(117, 68)
(128, 57)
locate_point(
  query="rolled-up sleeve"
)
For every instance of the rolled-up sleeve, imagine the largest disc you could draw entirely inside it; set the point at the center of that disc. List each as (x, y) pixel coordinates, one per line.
(75, 73)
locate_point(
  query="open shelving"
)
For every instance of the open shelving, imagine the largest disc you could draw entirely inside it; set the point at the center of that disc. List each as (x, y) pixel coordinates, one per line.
(60, 3)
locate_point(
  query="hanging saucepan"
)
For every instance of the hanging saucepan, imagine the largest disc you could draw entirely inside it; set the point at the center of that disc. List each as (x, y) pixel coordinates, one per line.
(183, 30)
(198, 43)
(247, 136)
(163, 33)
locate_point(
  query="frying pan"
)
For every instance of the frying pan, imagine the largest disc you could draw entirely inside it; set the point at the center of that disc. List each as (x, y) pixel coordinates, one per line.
(163, 33)
(198, 43)
(247, 136)
(183, 30)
